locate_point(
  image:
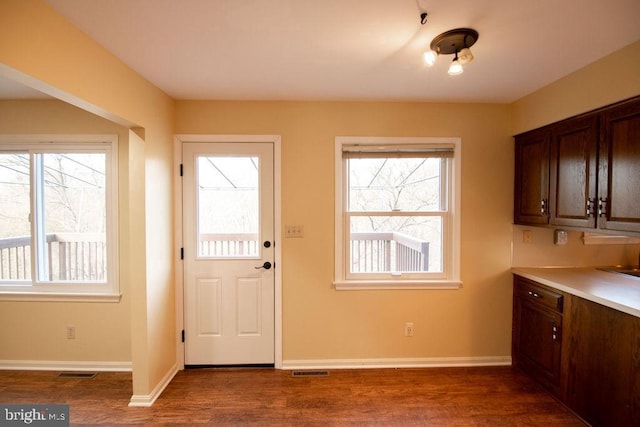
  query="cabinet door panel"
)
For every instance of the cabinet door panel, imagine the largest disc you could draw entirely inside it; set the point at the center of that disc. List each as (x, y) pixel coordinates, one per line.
(538, 326)
(573, 172)
(537, 341)
(603, 383)
(532, 178)
(620, 170)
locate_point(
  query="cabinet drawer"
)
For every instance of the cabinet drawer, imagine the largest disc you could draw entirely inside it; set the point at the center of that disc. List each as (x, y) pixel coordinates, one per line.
(534, 292)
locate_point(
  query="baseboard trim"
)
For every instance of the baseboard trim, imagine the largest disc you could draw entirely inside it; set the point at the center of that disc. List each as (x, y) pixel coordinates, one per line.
(147, 400)
(64, 365)
(426, 362)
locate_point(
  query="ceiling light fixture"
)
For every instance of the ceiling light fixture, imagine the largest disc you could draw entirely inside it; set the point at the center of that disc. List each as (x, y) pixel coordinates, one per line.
(455, 42)
(456, 66)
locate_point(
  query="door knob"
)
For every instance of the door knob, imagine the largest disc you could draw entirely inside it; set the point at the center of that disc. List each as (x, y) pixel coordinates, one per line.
(266, 244)
(266, 266)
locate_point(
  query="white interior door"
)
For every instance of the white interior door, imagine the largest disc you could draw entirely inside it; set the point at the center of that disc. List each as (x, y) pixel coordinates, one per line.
(228, 228)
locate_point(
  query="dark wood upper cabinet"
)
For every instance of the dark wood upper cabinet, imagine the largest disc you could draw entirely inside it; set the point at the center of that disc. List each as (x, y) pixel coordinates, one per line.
(532, 177)
(574, 151)
(619, 189)
(582, 172)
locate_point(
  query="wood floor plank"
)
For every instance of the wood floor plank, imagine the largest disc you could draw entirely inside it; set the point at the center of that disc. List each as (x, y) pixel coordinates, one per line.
(485, 396)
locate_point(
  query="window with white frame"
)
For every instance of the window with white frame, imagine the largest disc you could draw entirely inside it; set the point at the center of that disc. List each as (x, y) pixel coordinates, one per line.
(58, 217)
(397, 213)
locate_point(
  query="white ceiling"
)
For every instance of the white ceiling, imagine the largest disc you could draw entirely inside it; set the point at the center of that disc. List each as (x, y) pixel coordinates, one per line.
(352, 49)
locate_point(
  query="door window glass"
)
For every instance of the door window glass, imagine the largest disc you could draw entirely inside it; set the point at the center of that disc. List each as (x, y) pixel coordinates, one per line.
(228, 206)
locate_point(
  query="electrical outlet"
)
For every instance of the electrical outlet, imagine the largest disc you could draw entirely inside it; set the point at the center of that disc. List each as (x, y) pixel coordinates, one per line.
(293, 231)
(526, 236)
(408, 329)
(71, 332)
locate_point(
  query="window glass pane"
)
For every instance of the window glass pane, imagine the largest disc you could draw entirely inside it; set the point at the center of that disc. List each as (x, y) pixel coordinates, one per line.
(395, 244)
(396, 184)
(74, 201)
(228, 206)
(15, 231)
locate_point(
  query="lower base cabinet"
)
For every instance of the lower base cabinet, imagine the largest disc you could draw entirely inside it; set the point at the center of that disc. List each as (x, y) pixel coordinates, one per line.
(537, 326)
(603, 365)
(592, 364)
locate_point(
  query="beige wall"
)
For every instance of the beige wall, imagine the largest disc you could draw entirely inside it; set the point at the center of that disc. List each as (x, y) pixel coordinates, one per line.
(40, 48)
(611, 79)
(319, 322)
(45, 323)
(322, 323)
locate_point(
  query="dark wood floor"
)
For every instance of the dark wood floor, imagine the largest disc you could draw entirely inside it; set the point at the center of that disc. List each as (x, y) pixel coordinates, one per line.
(491, 396)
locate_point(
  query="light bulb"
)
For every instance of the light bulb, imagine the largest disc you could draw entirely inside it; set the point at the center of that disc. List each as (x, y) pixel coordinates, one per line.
(430, 57)
(465, 56)
(455, 68)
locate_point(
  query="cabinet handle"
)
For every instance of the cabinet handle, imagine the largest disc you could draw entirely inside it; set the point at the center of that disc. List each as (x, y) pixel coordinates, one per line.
(534, 294)
(554, 334)
(602, 207)
(543, 206)
(591, 207)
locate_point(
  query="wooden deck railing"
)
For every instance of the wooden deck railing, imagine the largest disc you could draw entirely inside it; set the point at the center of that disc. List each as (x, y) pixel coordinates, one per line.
(70, 257)
(228, 244)
(379, 252)
(82, 257)
(15, 258)
(370, 252)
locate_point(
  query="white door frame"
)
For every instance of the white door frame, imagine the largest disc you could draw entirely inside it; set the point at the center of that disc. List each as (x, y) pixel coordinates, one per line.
(178, 140)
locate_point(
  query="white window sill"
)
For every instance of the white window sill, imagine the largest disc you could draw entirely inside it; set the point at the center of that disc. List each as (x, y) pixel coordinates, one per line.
(358, 285)
(59, 297)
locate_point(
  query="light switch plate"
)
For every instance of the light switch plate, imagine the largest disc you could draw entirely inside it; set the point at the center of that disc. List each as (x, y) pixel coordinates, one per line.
(293, 231)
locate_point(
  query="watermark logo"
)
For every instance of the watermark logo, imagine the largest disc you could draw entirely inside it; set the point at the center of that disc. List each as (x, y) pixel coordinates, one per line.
(34, 415)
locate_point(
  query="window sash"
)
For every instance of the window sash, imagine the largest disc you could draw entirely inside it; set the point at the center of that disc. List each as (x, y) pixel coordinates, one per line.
(364, 147)
(69, 257)
(36, 146)
(444, 192)
(395, 275)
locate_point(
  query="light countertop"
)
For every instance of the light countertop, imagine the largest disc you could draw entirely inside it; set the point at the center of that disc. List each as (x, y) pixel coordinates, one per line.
(612, 290)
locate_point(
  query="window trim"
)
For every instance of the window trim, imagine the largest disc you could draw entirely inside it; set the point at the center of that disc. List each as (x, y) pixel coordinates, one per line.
(451, 256)
(60, 291)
